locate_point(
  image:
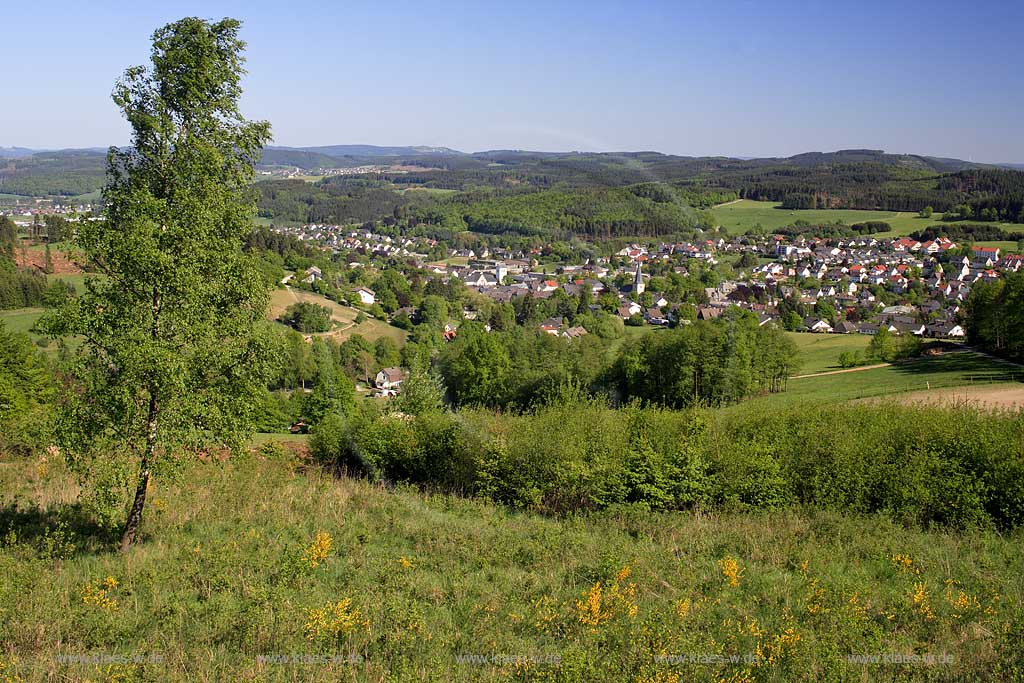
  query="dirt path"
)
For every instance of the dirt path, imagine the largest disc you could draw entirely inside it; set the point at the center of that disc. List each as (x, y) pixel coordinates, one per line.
(990, 397)
(735, 201)
(840, 372)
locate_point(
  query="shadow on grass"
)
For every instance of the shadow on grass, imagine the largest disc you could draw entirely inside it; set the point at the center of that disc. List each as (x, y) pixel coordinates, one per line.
(59, 532)
(970, 366)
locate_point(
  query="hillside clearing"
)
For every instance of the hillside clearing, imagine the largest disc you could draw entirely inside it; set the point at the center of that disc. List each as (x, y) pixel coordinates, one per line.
(436, 588)
(739, 216)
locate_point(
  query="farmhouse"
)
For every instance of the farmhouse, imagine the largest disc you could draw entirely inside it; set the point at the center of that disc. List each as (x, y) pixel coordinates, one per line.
(389, 378)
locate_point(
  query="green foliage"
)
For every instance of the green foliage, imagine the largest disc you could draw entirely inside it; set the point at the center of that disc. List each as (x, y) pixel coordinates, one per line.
(882, 346)
(716, 362)
(26, 391)
(173, 354)
(920, 466)
(995, 315)
(307, 317)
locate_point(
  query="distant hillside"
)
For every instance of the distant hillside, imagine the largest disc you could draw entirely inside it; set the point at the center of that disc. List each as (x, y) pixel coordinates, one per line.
(843, 179)
(15, 152)
(56, 173)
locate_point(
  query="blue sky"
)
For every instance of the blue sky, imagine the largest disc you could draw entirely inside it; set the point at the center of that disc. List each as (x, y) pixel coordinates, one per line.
(735, 78)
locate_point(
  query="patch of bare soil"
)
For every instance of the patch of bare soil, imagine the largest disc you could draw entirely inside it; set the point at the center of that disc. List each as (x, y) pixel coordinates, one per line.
(988, 397)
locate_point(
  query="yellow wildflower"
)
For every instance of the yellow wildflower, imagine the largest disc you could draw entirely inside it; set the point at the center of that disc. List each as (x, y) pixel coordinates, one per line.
(905, 564)
(98, 593)
(318, 552)
(601, 604)
(334, 619)
(406, 562)
(921, 600)
(683, 607)
(731, 570)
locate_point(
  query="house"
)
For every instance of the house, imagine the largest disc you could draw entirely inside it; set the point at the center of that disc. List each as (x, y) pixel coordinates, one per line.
(551, 326)
(708, 313)
(946, 330)
(1012, 263)
(914, 328)
(817, 325)
(655, 317)
(845, 327)
(628, 310)
(574, 332)
(366, 296)
(985, 254)
(313, 274)
(389, 378)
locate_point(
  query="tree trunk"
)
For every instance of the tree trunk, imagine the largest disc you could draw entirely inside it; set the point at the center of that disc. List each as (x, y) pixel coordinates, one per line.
(131, 526)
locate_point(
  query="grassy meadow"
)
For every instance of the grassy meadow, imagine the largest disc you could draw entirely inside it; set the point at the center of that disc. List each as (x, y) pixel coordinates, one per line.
(262, 568)
(955, 369)
(738, 217)
(820, 352)
(344, 317)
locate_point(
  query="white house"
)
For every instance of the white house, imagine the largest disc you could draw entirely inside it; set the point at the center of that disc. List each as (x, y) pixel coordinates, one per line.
(389, 378)
(366, 296)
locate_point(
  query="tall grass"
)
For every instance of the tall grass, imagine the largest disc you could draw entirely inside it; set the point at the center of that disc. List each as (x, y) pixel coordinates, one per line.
(260, 569)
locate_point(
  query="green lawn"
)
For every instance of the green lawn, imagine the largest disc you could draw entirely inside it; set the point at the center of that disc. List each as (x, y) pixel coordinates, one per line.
(820, 352)
(740, 216)
(961, 368)
(21, 319)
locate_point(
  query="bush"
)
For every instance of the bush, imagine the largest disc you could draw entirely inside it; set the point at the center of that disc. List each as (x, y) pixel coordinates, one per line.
(307, 317)
(921, 466)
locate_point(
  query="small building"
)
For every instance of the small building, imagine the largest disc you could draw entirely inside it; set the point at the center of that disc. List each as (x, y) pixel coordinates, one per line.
(366, 296)
(389, 378)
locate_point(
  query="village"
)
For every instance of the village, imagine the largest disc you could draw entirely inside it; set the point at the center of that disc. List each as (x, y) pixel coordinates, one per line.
(851, 286)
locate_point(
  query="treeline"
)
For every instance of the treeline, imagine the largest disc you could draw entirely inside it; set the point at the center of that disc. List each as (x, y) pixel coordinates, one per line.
(592, 213)
(25, 288)
(967, 232)
(712, 362)
(994, 194)
(573, 454)
(333, 201)
(827, 230)
(53, 173)
(27, 387)
(263, 239)
(995, 315)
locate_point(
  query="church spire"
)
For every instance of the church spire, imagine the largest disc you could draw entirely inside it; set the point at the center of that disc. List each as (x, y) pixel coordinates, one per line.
(638, 281)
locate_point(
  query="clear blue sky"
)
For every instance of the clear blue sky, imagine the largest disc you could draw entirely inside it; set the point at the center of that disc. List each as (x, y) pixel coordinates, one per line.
(736, 78)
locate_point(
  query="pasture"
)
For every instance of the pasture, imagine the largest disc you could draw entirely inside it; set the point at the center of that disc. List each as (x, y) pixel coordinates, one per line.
(955, 369)
(343, 317)
(738, 217)
(820, 352)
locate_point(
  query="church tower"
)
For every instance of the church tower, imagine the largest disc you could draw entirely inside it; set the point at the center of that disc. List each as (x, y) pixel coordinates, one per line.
(638, 281)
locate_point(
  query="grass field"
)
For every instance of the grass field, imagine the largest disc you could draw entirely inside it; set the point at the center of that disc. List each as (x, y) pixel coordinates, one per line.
(820, 352)
(232, 582)
(343, 316)
(21, 320)
(956, 369)
(738, 217)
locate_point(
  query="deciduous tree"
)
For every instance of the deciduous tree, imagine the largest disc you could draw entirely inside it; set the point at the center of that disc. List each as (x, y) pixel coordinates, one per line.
(173, 359)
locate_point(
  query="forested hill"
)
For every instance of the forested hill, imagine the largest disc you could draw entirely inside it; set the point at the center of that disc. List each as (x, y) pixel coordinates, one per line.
(846, 179)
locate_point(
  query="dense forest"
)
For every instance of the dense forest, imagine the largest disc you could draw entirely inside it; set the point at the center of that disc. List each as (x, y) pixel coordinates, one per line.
(53, 173)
